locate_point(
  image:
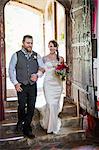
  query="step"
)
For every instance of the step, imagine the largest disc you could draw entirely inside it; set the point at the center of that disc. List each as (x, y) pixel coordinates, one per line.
(65, 135)
(11, 99)
(16, 143)
(11, 119)
(69, 110)
(11, 102)
(68, 99)
(11, 114)
(8, 127)
(73, 122)
(11, 92)
(9, 134)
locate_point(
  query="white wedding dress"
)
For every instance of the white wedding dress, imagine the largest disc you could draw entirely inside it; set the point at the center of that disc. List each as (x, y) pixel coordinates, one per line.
(53, 87)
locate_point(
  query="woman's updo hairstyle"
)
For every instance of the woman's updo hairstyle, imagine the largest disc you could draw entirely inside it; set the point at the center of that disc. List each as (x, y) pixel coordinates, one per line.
(55, 45)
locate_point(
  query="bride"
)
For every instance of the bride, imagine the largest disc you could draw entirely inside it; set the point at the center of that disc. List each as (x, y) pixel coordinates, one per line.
(53, 87)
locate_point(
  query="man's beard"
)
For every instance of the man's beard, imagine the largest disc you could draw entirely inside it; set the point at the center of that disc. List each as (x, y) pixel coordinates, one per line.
(29, 49)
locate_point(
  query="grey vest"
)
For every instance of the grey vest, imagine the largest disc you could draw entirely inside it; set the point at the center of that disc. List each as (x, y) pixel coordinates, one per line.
(25, 67)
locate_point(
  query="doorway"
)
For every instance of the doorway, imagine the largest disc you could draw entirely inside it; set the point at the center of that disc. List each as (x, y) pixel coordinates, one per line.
(20, 21)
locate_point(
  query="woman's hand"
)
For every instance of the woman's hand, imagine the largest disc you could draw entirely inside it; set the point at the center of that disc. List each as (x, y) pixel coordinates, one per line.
(61, 60)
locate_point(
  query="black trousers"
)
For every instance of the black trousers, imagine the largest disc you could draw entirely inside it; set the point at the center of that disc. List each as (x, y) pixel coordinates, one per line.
(26, 104)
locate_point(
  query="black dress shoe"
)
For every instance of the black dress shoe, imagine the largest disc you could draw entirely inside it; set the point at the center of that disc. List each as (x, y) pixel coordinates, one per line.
(29, 134)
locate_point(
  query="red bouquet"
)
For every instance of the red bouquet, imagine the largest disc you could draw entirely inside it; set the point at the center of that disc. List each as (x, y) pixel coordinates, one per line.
(62, 70)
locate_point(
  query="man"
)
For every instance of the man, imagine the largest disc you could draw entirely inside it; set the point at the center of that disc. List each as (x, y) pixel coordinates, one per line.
(24, 69)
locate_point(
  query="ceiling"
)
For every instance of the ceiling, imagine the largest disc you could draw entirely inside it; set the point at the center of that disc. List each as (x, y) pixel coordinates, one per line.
(41, 4)
(36, 4)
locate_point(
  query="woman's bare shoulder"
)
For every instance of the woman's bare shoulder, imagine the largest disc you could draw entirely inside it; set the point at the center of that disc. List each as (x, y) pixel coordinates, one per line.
(45, 58)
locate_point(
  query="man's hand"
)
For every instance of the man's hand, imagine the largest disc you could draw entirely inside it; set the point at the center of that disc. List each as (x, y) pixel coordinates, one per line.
(18, 87)
(34, 77)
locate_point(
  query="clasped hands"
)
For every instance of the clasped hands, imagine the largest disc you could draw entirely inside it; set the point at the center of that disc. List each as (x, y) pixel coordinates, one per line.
(34, 77)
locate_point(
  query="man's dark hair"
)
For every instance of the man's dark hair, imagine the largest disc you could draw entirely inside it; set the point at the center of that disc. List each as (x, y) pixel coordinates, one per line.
(27, 36)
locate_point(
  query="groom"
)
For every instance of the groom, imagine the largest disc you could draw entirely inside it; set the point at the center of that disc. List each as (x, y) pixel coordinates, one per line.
(24, 69)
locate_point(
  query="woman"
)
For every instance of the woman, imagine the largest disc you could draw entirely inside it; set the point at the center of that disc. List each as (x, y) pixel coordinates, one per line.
(52, 89)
